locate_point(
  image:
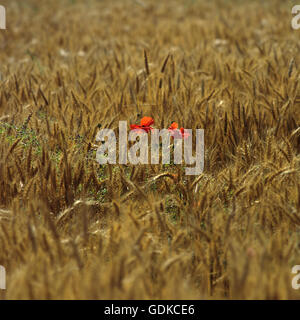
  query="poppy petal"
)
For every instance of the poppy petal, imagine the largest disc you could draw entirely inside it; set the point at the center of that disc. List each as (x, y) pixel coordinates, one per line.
(146, 121)
(173, 126)
(183, 133)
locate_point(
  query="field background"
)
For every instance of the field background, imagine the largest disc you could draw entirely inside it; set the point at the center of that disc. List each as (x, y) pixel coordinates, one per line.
(70, 229)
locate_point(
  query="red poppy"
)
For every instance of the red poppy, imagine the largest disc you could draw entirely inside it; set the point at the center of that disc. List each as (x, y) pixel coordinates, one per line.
(145, 125)
(183, 133)
(177, 134)
(173, 126)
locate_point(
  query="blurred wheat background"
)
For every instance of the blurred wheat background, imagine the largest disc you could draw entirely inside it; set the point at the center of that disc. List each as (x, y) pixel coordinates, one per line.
(72, 229)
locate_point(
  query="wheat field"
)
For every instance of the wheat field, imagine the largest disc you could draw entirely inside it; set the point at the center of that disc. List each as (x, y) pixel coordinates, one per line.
(73, 229)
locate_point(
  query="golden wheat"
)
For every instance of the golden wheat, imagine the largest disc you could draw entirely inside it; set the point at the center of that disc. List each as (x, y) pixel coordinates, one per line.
(72, 229)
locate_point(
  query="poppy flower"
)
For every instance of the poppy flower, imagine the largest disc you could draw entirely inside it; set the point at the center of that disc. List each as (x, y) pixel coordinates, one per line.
(145, 125)
(183, 133)
(177, 134)
(173, 126)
